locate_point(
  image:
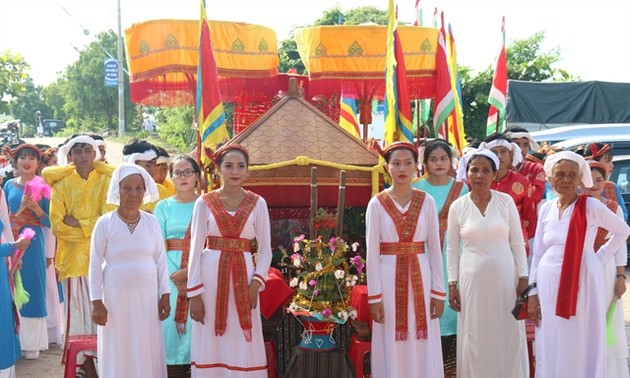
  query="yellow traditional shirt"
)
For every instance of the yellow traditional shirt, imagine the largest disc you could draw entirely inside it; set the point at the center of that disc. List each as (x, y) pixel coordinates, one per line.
(170, 187)
(164, 193)
(85, 201)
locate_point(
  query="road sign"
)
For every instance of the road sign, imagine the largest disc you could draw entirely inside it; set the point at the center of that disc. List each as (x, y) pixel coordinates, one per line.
(111, 72)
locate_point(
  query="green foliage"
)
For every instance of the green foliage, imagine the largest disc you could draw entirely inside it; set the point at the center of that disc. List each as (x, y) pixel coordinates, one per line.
(24, 107)
(175, 128)
(13, 78)
(525, 61)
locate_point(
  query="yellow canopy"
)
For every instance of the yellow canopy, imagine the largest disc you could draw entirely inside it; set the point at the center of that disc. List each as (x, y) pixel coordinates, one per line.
(162, 57)
(348, 54)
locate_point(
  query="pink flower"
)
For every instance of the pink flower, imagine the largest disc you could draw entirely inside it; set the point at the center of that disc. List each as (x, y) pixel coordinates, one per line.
(312, 282)
(315, 292)
(296, 256)
(356, 261)
(333, 244)
(327, 312)
(298, 239)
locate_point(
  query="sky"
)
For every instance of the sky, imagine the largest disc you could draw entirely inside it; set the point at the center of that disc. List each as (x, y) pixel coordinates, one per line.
(593, 36)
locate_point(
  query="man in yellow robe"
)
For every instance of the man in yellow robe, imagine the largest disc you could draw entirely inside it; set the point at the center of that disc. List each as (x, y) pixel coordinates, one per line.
(77, 200)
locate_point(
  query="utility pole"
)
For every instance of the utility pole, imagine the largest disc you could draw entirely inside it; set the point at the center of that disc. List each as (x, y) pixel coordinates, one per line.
(121, 79)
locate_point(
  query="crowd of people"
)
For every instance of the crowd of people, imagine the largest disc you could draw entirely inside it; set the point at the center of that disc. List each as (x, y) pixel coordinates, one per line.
(165, 274)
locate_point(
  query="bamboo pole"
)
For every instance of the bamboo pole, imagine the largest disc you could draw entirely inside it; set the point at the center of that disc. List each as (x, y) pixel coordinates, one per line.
(341, 202)
(313, 201)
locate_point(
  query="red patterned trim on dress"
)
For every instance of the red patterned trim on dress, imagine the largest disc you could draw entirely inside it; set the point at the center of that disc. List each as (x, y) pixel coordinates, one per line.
(373, 297)
(402, 248)
(600, 236)
(231, 264)
(407, 266)
(195, 287)
(452, 195)
(260, 278)
(440, 293)
(228, 367)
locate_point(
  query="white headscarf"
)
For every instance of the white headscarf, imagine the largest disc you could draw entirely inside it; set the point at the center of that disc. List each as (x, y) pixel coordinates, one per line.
(533, 146)
(125, 169)
(585, 169)
(462, 170)
(142, 156)
(62, 153)
(517, 156)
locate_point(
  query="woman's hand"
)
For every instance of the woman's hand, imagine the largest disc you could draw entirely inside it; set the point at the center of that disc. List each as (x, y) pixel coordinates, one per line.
(22, 243)
(620, 286)
(197, 309)
(521, 286)
(32, 205)
(180, 279)
(378, 312)
(254, 288)
(99, 312)
(437, 308)
(533, 309)
(454, 299)
(164, 306)
(71, 221)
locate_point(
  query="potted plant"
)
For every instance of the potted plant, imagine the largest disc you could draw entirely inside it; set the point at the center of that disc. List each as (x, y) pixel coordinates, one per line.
(323, 275)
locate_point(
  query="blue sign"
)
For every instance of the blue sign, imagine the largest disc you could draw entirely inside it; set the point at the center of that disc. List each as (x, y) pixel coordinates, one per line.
(111, 72)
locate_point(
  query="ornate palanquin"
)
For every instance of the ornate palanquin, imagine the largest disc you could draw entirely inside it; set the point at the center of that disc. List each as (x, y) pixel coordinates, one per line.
(293, 136)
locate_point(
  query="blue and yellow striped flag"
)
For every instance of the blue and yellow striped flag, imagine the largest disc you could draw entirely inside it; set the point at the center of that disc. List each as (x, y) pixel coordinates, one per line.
(398, 121)
(209, 106)
(348, 116)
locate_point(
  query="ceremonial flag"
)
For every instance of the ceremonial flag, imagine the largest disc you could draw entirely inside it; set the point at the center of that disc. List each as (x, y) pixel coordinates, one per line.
(209, 106)
(456, 134)
(398, 124)
(348, 116)
(418, 21)
(422, 108)
(498, 92)
(444, 98)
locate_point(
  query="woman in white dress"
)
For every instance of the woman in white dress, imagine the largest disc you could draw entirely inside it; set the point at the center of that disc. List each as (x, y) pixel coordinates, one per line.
(129, 282)
(404, 273)
(223, 281)
(568, 304)
(615, 282)
(487, 267)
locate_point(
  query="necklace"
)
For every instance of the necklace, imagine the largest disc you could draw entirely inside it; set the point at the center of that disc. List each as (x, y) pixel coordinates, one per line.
(131, 225)
(231, 204)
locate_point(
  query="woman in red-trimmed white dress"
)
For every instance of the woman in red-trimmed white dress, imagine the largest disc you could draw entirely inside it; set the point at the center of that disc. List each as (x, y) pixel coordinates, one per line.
(223, 283)
(404, 272)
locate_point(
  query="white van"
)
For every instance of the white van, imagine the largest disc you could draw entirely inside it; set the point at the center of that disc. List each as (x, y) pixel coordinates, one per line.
(619, 144)
(559, 134)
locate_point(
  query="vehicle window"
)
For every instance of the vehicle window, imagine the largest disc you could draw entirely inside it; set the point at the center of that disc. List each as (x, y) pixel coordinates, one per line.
(620, 175)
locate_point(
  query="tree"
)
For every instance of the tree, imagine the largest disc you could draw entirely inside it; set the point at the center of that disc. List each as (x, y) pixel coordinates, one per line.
(525, 61)
(13, 78)
(24, 107)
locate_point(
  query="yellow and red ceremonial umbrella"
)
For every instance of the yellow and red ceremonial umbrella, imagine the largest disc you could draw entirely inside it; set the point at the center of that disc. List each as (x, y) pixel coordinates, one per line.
(162, 60)
(351, 60)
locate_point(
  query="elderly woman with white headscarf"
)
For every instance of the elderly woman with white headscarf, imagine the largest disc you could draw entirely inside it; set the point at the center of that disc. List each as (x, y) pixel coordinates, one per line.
(567, 304)
(486, 267)
(129, 280)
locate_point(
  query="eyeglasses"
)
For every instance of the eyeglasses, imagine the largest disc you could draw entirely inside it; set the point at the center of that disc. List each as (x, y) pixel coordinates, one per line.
(185, 173)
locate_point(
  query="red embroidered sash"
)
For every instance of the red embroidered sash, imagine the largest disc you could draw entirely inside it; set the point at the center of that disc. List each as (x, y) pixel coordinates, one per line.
(231, 263)
(26, 218)
(407, 265)
(181, 307)
(600, 237)
(566, 305)
(452, 195)
(609, 191)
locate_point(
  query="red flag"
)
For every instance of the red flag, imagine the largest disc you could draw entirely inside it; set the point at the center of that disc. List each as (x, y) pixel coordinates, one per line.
(444, 99)
(498, 92)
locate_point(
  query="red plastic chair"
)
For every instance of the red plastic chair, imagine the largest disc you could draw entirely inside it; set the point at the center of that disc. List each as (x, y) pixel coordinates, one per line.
(358, 350)
(74, 345)
(272, 365)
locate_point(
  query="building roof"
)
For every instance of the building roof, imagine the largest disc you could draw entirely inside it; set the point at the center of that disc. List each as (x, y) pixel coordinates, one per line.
(293, 127)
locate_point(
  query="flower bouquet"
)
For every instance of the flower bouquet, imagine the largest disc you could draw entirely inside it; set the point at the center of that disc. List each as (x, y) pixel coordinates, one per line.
(322, 275)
